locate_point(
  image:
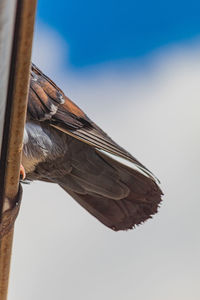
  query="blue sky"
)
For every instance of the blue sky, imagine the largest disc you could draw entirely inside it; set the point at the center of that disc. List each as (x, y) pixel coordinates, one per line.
(111, 30)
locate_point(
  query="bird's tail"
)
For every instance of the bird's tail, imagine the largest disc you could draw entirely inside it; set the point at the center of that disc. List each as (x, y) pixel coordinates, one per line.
(131, 199)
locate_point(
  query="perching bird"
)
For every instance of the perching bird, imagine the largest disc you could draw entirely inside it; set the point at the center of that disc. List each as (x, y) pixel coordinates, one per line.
(62, 145)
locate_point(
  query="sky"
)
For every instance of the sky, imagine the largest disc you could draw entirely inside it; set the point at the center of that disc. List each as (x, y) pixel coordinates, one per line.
(142, 67)
(112, 30)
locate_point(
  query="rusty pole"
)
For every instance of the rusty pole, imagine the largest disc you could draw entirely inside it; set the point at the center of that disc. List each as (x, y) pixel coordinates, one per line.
(17, 57)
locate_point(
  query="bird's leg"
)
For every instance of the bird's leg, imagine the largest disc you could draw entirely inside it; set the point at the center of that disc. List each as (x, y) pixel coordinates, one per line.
(22, 172)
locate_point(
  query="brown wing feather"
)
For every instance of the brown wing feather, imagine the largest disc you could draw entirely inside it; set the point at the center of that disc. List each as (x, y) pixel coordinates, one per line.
(48, 103)
(118, 196)
(115, 194)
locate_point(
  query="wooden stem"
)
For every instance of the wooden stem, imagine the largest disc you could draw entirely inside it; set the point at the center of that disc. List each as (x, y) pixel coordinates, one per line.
(5, 255)
(15, 115)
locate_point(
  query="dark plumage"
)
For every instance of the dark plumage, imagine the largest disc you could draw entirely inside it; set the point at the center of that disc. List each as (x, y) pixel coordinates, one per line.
(61, 145)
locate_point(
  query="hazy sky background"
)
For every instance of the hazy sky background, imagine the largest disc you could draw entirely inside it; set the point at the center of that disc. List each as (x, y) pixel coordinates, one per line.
(139, 63)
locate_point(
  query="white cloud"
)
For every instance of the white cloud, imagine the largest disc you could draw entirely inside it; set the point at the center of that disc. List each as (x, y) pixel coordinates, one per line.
(60, 251)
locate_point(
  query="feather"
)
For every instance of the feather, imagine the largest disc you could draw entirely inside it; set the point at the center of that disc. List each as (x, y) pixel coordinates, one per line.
(69, 118)
(115, 194)
(118, 196)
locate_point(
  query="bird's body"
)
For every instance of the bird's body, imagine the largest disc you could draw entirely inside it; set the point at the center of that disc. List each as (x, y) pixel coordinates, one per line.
(61, 145)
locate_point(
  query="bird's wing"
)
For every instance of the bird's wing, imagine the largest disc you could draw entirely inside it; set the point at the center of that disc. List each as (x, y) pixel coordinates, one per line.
(118, 196)
(48, 103)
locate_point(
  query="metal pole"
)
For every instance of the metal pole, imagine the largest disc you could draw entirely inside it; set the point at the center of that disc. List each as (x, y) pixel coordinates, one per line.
(15, 88)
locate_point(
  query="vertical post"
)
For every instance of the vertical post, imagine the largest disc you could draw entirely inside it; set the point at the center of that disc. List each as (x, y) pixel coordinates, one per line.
(7, 19)
(5, 256)
(16, 32)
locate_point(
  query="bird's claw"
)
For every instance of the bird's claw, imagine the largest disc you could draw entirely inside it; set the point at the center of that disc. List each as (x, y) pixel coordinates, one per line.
(22, 172)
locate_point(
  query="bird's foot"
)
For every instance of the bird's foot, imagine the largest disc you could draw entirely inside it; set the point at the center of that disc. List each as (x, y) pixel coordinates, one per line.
(22, 172)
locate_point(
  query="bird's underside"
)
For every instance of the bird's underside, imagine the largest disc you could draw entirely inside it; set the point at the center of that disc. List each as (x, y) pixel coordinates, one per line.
(61, 145)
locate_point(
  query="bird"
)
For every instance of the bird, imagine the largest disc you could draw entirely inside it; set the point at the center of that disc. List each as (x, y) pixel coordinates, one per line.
(63, 145)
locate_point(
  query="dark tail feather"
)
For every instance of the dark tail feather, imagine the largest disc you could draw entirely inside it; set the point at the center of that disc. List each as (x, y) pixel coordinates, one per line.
(138, 206)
